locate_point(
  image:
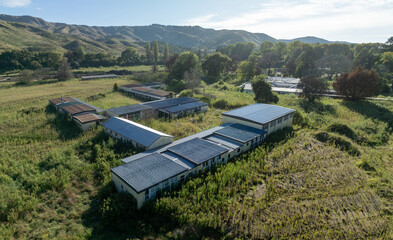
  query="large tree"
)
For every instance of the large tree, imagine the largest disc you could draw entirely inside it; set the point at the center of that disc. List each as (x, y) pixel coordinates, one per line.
(312, 87)
(184, 63)
(155, 51)
(166, 53)
(215, 63)
(333, 64)
(358, 84)
(149, 55)
(263, 90)
(129, 57)
(247, 69)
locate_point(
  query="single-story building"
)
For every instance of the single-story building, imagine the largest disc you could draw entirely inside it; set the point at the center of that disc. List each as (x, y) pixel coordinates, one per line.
(88, 120)
(184, 109)
(132, 112)
(146, 93)
(266, 117)
(140, 136)
(55, 102)
(74, 108)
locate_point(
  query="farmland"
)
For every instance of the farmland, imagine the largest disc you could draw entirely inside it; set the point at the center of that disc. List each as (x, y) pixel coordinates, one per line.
(331, 176)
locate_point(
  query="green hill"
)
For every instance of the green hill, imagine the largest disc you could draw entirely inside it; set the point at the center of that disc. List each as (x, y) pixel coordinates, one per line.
(114, 39)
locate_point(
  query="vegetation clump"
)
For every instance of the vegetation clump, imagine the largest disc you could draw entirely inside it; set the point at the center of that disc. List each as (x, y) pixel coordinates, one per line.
(337, 142)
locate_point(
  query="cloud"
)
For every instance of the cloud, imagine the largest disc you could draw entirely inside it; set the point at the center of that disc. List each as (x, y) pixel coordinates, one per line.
(289, 19)
(15, 3)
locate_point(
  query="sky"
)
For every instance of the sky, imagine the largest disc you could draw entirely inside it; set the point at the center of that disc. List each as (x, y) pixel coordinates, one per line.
(356, 21)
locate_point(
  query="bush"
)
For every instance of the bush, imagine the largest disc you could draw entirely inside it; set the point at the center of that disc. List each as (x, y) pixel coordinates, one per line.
(343, 130)
(338, 142)
(115, 87)
(300, 120)
(221, 104)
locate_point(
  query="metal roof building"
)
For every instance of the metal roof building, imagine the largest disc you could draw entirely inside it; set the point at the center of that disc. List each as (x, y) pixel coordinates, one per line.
(160, 104)
(240, 133)
(259, 113)
(139, 135)
(148, 171)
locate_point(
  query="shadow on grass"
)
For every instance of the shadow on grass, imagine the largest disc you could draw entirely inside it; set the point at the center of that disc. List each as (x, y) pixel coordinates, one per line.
(35, 83)
(113, 215)
(316, 106)
(371, 110)
(66, 128)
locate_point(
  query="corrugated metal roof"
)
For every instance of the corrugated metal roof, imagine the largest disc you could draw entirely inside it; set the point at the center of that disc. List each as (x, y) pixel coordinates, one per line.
(129, 109)
(143, 89)
(56, 101)
(88, 104)
(146, 172)
(183, 107)
(76, 108)
(160, 93)
(159, 104)
(259, 113)
(89, 117)
(198, 135)
(134, 131)
(131, 85)
(197, 150)
(223, 141)
(240, 132)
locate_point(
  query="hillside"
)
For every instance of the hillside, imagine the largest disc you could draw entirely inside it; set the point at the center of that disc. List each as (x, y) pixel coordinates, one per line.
(296, 185)
(116, 38)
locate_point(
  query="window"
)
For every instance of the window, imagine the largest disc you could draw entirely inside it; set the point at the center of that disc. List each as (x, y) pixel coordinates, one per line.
(238, 150)
(272, 123)
(122, 188)
(219, 157)
(248, 143)
(182, 178)
(279, 120)
(147, 194)
(266, 126)
(286, 118)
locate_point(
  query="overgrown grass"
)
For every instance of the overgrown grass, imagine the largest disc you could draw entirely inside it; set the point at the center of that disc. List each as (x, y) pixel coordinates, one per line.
(54, 179)
(139, 68)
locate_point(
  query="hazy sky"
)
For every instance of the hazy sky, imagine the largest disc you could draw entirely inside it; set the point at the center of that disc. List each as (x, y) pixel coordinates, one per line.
(357, 21)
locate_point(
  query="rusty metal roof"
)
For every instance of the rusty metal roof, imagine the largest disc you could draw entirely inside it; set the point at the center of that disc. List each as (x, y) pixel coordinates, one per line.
(89, 117)
(56, 101)
(77, 108)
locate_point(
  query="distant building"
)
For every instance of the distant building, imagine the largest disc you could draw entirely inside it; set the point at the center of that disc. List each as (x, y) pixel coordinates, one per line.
(92, 77)
(145, 92)
(283, 82)
(140, 136)
(132, 112)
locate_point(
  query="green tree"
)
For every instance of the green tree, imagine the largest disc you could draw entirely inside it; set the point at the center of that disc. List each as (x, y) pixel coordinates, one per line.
(185, 62)
(263, 90)
(358, 84)
(129, 57)
(155, 52)
(149, 55)
(333, 64)
(166, 53)
(247, 70)
(64, 72)
(215, 63)
(193, 78)
(387, 60)
(312, 87)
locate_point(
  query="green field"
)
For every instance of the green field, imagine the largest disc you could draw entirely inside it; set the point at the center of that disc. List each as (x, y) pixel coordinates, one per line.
(330, 177)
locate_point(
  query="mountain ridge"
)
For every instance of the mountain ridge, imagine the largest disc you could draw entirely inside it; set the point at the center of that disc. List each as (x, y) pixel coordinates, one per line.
(192, 37)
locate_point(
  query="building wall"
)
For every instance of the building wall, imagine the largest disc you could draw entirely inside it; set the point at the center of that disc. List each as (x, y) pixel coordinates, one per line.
(121, 186)
(85, 126)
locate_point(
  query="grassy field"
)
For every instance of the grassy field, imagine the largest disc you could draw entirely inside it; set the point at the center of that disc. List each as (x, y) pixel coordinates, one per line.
(139, 68)
(330, 177)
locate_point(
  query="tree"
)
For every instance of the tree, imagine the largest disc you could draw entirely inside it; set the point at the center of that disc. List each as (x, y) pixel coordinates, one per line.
(215, 63)
(185, 62)
(312, 87)
(263, 90)
(155, 52)
(387, 60)
(166, 53)
(192, 78)
(333, 64)
(149, 55)
(269, 59)
(129, 57)
(64, 72)
(358, 84)
(247, 70)
(170, 62)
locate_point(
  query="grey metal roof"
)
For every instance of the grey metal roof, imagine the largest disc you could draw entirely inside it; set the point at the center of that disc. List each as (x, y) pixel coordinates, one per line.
(134, 131)
(160, 150)
(146, 172)
(197, 150)
(169, 102)
(240, 132)
(128, 109)
(259, 113)
(223, 141)
(183, 107)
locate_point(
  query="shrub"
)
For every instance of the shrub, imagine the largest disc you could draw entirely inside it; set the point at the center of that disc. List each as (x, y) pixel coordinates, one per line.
(343, 130)
(338, 142)
(221, 104)
(115, 87)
